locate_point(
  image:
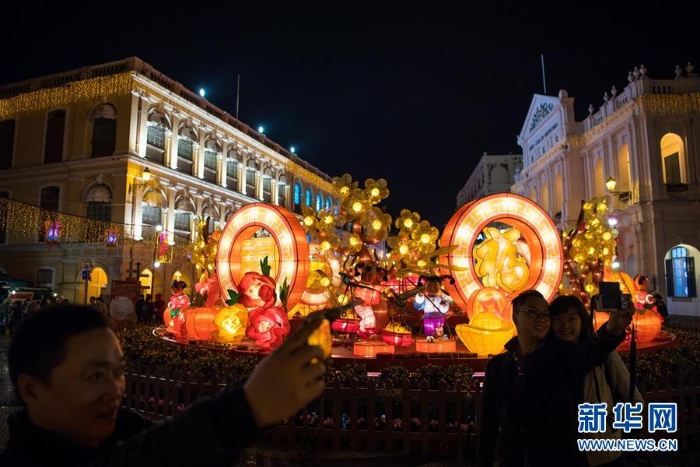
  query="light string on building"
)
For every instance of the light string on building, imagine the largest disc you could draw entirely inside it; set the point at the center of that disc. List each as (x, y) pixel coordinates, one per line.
(25, 220)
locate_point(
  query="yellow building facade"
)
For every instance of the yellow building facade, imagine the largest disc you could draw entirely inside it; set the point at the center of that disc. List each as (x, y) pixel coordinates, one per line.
(123, 163)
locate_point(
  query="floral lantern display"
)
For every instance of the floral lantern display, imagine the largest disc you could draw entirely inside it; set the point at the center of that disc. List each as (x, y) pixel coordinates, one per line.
(486, 334)
(231, 322)
(434, 304)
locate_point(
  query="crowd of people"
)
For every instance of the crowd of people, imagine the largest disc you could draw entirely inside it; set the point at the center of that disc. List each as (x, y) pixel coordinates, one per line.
(528, 410)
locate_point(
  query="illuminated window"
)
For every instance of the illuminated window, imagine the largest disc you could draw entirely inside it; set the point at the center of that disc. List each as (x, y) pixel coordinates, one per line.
(680, 274)
(319, 202)
(307, 202)
(297, 196)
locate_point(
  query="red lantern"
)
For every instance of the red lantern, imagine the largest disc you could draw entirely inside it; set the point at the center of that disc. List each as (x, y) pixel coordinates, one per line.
(397, 338)
(346, 325)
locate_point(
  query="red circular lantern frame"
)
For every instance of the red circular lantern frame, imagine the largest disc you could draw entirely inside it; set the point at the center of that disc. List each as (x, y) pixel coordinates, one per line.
(534, 224)
(289, 237)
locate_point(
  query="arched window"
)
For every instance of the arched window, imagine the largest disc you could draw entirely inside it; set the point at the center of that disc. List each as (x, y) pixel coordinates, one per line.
(673, 159)
(329, 203)
(307, 201)
(282, 191)
(319, 202)
(99, 208)
(155, 137)
(251, 172)
(297, 196)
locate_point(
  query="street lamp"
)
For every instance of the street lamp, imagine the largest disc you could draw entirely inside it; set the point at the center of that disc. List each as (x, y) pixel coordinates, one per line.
(610, 184)
(145, 177)
(87, 270)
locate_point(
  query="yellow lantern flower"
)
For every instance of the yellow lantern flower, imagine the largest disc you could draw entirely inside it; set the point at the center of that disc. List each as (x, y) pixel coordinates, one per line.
(425, 236)
(375, 191)
(407, 220)
(356, 205)
(344, 185)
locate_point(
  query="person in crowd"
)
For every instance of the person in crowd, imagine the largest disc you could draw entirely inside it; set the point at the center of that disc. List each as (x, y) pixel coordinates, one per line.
(158, 308)
(148, 310)
(662, 308)
(531, 392)
(93, 300)
(67, 367)
(101, 306)
(609, 382)
(138, 308)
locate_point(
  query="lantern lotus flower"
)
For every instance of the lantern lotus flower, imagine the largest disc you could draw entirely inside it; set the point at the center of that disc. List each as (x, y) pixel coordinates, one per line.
(344, 185)
(375, 190)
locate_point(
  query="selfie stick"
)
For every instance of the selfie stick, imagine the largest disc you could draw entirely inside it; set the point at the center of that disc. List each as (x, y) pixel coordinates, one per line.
(633, 360)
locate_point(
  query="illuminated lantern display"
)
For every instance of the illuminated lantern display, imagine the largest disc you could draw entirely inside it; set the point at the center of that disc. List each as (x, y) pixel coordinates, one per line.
(268, 327)
(370, 349)
(647, 325)
(434, 306)
(397, 334)
(369, 295)
(501, 259)
(53, 232)
(485, 334)
(289, 236)
(200, 322)
(111, 238)
(436, 346)
(491, 300)
(346, 325)
(231, 322)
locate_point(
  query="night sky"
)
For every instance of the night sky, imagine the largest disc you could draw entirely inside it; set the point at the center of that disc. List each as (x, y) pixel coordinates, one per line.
(412, 92)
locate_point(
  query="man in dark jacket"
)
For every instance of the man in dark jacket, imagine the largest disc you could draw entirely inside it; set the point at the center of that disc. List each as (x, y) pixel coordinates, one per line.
(68, 368)
(532, 391)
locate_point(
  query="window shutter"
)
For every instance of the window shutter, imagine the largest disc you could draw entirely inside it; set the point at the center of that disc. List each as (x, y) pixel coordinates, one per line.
(669, 279)
(692, 290)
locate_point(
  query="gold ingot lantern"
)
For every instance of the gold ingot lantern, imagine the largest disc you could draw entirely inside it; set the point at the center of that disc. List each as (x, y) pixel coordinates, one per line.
(486, 334)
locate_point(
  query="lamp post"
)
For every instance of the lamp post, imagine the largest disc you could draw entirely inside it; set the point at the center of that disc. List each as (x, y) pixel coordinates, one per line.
(156, 258)
(87, 270)
(611, 184)
(145, 177)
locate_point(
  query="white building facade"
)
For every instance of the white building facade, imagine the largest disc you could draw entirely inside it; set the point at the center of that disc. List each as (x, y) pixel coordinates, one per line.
(495, 173)
(646, 137)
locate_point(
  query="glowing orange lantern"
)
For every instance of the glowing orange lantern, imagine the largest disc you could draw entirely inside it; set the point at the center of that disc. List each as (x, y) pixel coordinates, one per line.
(199, 322)
(370, 349)
(647, 325)
(436, 346)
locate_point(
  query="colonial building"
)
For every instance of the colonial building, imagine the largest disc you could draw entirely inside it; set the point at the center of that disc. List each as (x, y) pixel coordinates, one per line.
(108, 170)
(495, 173)
(647, 139)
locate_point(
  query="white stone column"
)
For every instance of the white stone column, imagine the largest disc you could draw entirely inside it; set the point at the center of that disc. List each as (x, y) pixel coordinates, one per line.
(142, 131)
(198, 153)
(170, 219)
(222, 164)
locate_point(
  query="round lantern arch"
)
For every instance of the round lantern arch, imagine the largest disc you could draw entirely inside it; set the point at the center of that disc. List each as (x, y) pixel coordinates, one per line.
(536, 227)
(289, 236)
